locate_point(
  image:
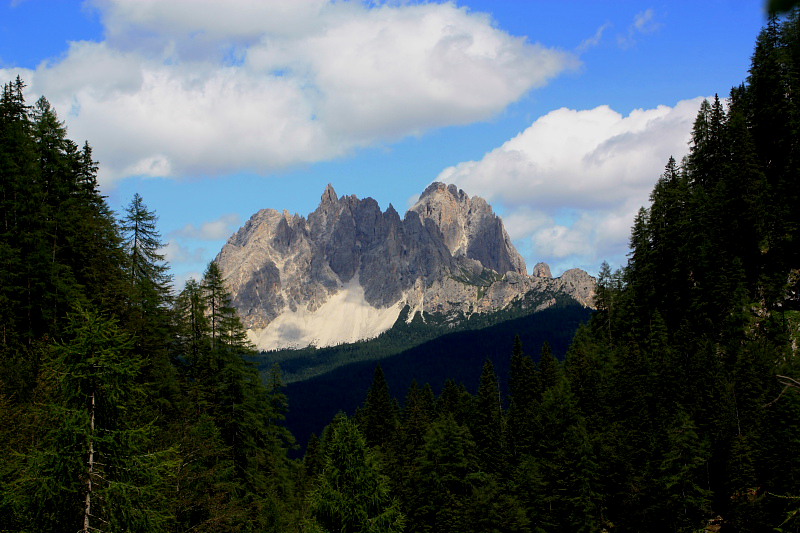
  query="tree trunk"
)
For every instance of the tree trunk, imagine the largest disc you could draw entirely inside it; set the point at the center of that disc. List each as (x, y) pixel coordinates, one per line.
(87, 510)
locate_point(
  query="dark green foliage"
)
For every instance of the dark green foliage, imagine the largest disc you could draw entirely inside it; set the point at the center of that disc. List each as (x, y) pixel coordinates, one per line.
(148, 312)
(677, 408)
(148, 272)
(457, 356)
(90, 462)
(445, 477)
(781, 6)
(118, 411)
(487, 424)
(682, 477)
(351, 494)
(378, 417)
(525, 392)
(50, 207)
(676, 405)
(247, 446)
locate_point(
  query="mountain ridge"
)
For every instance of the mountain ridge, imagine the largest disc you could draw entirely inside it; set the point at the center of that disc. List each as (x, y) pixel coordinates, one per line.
(293, 279)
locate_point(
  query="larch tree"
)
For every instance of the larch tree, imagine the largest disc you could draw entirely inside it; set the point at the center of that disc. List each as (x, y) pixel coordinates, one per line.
(93, 464)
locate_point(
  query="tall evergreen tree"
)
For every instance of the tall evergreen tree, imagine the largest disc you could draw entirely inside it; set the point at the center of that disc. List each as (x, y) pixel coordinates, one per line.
(148, 312)
(217, 300)
(550, 370)
(149, 274)
(378, 416)
(525, 391)
(352, 493)
(192, 324)
(445, 479)
(92, 464)
(487, 424)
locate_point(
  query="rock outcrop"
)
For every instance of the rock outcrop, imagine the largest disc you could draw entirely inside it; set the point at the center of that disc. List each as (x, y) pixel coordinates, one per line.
(346, 272)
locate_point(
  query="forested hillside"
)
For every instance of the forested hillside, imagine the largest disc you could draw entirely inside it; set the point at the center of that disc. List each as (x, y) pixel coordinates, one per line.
(121, 407)
(124, 407)
(676, 408)
(405, 336)
(456, 356)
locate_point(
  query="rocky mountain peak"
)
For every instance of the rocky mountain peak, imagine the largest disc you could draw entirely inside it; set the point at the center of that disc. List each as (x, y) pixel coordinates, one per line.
(470, 227)
(438, 188)
(346, 272)
(329, 196)
(542, 270)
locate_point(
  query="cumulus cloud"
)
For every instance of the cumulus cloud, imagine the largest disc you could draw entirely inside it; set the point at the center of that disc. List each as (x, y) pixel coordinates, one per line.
(215, 230)
(204, 87)
(571, 183)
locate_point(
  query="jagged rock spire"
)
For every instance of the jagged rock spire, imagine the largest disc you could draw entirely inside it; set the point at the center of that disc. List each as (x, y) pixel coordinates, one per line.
(329, 196)
(294, 279)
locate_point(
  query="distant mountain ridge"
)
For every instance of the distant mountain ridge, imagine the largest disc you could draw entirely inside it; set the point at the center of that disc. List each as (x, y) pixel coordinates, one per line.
(347, 271)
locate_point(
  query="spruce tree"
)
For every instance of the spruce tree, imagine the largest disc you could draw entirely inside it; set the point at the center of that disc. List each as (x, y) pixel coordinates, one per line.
(550, 370)
(445, 477)
(377, 418)
(352, 493)
(217, 300)
(487, 423)
(192, 324)
(684, 500)
(525, 391)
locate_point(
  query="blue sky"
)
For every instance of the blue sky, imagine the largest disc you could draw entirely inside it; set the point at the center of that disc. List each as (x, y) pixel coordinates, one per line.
(561, 114)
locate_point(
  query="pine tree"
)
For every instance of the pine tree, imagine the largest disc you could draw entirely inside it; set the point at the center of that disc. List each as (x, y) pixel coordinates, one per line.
(487, 423)
(352, 493)
(149, 299)
(50, 206)
(550, 370)
(377, 418)
(669, 275)
(525, 391)
(445, 479)
(217, 300)
(684, 497)
(566, 469)
(456, 401)
(400, 455)
(192, 326)
(227, 389)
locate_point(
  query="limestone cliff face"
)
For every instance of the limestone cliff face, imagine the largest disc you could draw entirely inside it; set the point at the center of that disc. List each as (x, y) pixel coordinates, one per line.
(345, 273)
(469, 228)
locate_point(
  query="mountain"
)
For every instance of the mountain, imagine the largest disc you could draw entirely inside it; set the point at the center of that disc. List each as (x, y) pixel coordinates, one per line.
(293, 279)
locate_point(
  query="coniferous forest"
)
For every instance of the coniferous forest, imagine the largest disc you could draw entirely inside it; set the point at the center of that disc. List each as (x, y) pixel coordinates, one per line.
(127, 407)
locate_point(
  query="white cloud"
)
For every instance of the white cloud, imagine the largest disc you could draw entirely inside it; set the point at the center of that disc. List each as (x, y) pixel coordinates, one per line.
(524, 221)
(180, 279)
(215, 230)
(205, 87)
(571, 183)
(643, 23)
(176, 253)
(594, 40)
